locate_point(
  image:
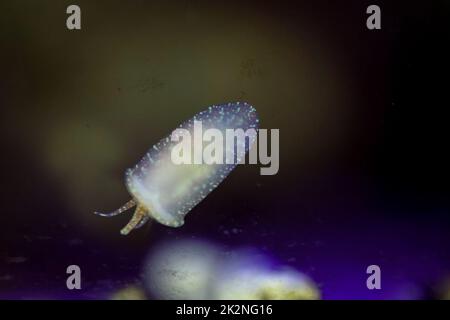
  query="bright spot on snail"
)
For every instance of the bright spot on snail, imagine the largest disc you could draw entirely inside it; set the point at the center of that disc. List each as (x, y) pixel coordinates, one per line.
(165, 191)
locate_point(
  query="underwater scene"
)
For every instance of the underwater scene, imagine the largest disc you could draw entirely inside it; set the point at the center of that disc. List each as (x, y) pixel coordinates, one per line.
(238, 150)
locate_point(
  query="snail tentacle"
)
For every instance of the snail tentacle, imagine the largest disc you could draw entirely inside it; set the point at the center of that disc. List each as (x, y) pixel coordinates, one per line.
(138, 216)
(130, 204)
(142, 222)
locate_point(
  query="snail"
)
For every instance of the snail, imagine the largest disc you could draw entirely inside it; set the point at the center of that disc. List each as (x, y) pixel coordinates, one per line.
(164, 190)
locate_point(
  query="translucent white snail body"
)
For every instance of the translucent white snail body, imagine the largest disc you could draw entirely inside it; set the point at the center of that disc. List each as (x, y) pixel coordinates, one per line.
(166, 191)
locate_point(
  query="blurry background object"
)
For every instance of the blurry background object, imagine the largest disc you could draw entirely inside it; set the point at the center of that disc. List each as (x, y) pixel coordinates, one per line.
(131, 292)
(260, 284)
(247, 275)
(445, 289)
(188, 269)
(183, 269)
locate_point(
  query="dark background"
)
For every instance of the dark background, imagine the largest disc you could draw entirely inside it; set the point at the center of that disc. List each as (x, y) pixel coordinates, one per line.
(363, 134)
